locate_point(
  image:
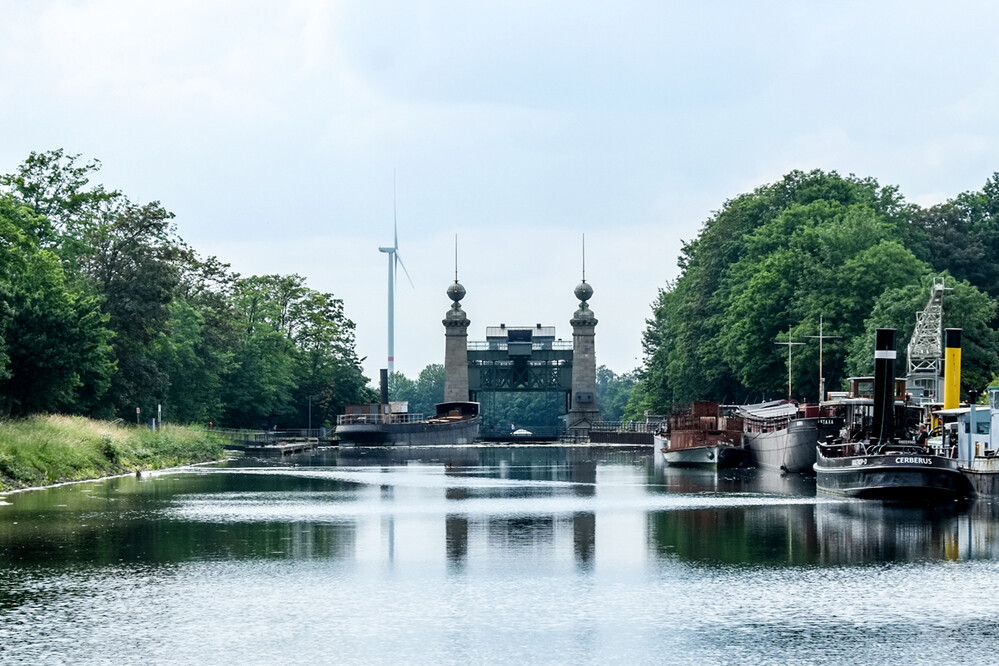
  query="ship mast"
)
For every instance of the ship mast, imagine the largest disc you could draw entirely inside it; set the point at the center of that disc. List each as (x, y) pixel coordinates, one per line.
(790, 343)
(822, 379)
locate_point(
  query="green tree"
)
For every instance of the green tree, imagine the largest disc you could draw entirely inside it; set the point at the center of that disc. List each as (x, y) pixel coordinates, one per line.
(965, 307)
(193, 393)
(257, 391)
(401, 388)
(56, 185)
(770, 262)
(83, 265)
(135, 264)
(613, 392)
(329, 374)
(196, 348)
(295, 347)
(961, 236)
(54, 352)
(424, 394)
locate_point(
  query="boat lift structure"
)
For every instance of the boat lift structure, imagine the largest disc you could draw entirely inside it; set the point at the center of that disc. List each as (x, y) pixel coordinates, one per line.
(525, 359)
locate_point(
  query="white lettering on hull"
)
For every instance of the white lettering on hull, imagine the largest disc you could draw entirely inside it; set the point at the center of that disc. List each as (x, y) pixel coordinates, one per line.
(913, 460)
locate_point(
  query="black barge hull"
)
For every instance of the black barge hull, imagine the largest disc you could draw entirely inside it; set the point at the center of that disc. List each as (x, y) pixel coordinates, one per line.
(907, 477)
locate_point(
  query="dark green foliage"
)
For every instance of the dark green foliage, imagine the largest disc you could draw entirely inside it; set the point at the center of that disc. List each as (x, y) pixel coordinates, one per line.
(293, 345)
(965, 307)
(962, 237)
(771, 263)
(103, 309)
(510, 410)
(135, 264)
(54, 350)
(613, 392)
(422, 394)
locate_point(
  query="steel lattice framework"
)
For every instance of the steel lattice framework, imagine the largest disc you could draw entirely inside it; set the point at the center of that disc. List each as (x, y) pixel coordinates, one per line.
(521, 359)
(925, 350)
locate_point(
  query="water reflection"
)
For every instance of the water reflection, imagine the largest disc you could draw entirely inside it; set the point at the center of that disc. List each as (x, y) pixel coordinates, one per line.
(381, 504)
(582, 554)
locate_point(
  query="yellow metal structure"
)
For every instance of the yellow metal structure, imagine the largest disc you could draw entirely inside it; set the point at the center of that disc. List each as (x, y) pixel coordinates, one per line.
(952, 369)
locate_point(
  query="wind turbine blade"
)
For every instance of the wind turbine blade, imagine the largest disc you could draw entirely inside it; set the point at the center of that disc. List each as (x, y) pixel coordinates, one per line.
(399, 259)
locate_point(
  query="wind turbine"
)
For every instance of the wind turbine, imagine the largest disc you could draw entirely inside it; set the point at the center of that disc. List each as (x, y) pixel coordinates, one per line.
(393, 257)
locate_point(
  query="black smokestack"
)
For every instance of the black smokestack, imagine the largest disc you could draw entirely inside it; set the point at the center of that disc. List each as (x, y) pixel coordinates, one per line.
(884, 386)
(383, 380)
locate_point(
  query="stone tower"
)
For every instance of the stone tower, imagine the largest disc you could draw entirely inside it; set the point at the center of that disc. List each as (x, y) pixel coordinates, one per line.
(583, 410)
(455, 347)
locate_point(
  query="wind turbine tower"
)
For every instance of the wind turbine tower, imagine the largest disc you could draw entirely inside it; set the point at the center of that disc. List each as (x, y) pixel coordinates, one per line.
(393, 260)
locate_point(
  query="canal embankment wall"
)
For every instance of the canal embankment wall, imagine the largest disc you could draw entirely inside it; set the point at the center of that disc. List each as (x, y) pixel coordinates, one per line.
(43, 450)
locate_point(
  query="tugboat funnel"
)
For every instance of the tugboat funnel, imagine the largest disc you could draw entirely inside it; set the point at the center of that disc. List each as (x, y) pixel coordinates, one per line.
(883, 428)
(952, 368)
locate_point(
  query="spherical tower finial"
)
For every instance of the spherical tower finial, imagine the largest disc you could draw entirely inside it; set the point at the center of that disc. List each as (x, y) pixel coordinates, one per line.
(456, 292)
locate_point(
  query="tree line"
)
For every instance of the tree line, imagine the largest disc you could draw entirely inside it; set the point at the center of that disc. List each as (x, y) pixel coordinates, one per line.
(769, 264)
(105, 309)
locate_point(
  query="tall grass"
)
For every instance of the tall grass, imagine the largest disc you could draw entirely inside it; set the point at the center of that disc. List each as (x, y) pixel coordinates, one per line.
(48, 449)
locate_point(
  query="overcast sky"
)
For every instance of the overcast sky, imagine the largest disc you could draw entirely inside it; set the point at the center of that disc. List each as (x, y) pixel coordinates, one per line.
(273, 129)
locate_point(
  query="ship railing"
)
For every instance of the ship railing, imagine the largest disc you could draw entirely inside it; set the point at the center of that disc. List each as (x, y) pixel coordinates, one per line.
(764, 423)
(849, 449)
(557, 345)
(626, 426)
(842, 450)
(242, 437)
(686, 421)
(379, 419)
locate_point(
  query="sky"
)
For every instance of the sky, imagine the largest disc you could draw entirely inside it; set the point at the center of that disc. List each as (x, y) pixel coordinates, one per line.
(287, 136)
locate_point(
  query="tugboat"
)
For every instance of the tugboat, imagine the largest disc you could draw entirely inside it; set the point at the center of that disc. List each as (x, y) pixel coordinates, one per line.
(701, 437)
(876, 456)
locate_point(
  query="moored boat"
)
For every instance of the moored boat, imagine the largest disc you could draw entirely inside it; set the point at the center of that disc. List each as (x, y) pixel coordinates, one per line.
(971, 431)
(877, 456)
(454, 423)
(892, 472)
(701, 436)
(782, 436)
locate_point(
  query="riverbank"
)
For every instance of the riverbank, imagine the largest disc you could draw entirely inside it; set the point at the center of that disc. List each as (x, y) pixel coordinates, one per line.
(43, 450)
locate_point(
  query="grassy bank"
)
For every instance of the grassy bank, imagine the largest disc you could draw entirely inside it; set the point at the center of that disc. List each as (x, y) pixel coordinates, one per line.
(49, 449)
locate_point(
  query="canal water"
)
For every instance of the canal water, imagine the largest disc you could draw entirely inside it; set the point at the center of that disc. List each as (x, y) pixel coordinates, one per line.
(488, 554)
